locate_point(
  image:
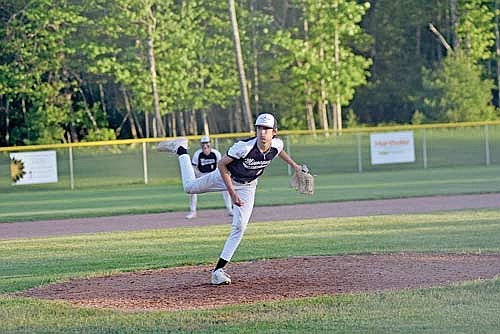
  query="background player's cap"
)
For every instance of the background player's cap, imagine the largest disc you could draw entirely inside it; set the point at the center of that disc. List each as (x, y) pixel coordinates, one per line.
(266, 120)
(205, 139)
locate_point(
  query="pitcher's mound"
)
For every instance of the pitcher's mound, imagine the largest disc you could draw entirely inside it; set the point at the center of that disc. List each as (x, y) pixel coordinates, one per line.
(266, 280)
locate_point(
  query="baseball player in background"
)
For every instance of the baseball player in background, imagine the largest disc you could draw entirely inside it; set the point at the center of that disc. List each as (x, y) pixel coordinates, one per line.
(238, 174)
(205, 161)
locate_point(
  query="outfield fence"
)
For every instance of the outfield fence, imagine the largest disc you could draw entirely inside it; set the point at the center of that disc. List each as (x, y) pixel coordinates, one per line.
(118, 162)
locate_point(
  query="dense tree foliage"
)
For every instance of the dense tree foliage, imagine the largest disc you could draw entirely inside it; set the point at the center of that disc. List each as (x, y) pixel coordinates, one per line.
(408, 57)
(456, 93)
(104, 69)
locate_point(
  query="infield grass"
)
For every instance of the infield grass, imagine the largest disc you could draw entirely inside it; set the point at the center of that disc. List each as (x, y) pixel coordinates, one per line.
(39, 202)
(465, 308)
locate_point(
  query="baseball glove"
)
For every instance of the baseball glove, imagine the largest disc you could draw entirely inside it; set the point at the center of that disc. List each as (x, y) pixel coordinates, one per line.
(303, 181)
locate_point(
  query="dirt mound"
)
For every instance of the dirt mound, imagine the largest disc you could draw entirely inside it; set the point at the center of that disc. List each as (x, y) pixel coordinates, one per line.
(269, 280)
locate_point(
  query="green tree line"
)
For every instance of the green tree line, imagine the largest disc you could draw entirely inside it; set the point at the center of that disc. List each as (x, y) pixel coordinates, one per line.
(103, 69)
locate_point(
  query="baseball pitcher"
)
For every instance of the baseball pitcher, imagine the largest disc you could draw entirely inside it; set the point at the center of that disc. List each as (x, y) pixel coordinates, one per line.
(238, 172)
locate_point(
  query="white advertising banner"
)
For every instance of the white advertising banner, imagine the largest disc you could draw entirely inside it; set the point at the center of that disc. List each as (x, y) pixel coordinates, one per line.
(392, 147)
(33, 167)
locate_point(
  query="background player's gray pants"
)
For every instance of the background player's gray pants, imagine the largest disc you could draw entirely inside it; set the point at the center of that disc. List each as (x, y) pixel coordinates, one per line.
(212, 182)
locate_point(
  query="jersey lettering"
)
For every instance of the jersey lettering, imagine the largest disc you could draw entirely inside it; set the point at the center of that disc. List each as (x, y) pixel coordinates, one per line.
(250, 163)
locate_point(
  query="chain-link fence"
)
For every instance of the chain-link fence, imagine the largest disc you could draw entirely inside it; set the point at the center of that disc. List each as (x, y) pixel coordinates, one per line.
(137, 161)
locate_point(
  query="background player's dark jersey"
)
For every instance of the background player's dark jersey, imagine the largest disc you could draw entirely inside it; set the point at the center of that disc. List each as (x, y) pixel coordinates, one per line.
(207, 163)
(248, 161)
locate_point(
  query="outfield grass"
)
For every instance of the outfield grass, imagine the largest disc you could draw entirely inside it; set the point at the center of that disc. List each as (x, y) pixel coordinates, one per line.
(470, 307)
(38, 202)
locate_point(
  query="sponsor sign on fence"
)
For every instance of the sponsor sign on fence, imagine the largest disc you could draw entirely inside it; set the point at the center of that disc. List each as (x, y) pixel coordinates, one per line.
(392, 147)
(33, 167)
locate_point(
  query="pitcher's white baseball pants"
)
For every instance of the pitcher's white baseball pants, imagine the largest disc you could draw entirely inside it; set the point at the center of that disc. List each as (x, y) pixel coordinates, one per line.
(213, 182)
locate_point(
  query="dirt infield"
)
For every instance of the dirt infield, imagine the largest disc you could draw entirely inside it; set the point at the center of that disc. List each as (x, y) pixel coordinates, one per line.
(270, 280)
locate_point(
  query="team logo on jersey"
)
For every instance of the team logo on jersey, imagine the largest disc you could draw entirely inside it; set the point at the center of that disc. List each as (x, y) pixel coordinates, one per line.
(251, 163)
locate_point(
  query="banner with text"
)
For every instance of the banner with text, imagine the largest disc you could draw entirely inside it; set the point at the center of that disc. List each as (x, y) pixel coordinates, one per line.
(392, 147)
(33, 167)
